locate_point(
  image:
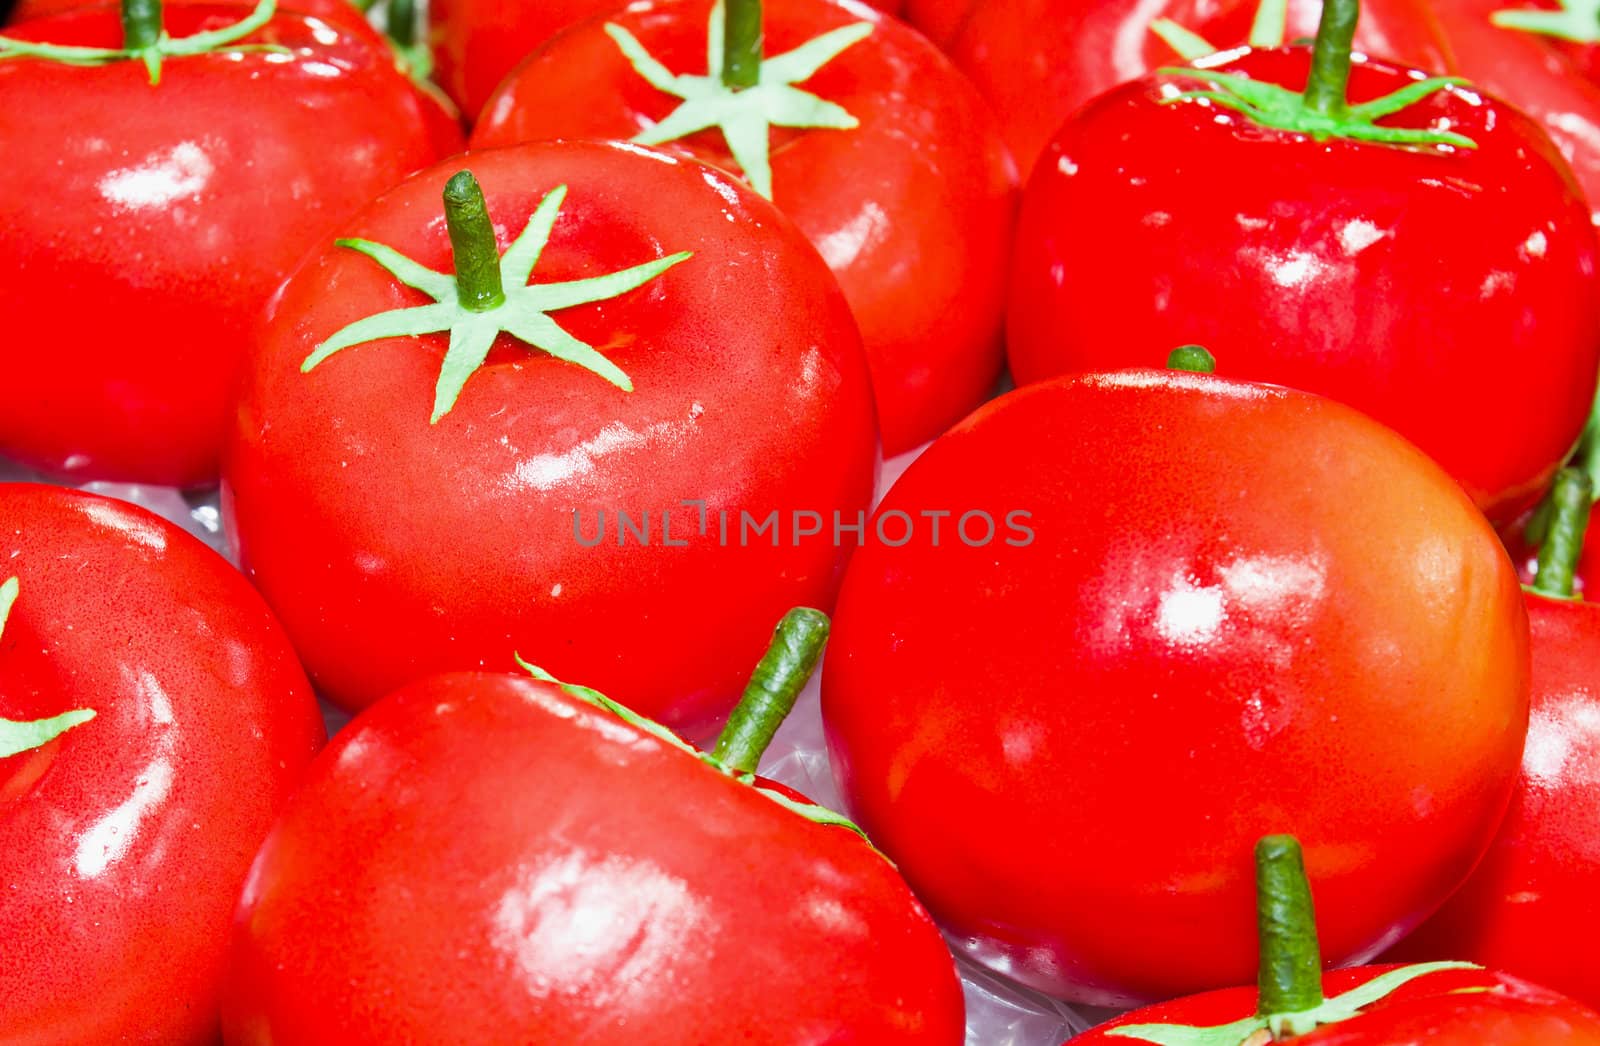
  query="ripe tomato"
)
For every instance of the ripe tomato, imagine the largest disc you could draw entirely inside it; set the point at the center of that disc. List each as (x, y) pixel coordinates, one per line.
(1335, 266)
(912, 208)
(342, 12)
(134, 223)
(125, 839)
(393, 548)
(1234, 595)
(1038, 61)
(1533, 904)
(476, 43)
(939, 20)
(483, 858)
(1532, 73)
(1441, 1004)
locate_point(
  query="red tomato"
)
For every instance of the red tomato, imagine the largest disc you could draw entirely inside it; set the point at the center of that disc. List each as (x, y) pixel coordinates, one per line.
(1239, 609)
(1338, 267)
(483, 858)
(125, 840)
(1531, 906)
(393, 548)
(476, 43)
(1038, 61)
(912, 208)
(1532, 73)
(342, 12)
(146, 225)
(939, 20)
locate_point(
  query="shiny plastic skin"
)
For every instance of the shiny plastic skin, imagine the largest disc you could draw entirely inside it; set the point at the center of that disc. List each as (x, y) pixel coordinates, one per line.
(483, 858)
(124, 842)
(1339, 267)
(1532, 907)
(912, 209)
(477, 43)
(145, 227)
(394, 549)
(1448, 1008)
(1038, 61)
(1235, 594)
(1535, 73)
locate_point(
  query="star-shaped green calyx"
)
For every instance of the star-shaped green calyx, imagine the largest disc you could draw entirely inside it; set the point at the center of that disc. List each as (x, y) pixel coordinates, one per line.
(489, 294)
(744, 114)
(1322, 110)
(16, 737)
(144, 40)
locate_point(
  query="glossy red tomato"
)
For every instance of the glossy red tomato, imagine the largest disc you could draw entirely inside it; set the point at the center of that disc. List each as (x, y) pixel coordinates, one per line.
(1531, 906)
(146, 225)
(124, 841)
(939, 20)
(1339, 266)
(393, 548)
(1242, 610)
(912, 208)
(1535, 74)
(482, 858)
(476, 43)
(342, 12)
(1038, 61)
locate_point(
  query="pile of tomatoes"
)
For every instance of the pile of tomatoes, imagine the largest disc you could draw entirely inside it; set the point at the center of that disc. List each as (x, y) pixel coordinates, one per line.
(553, 397)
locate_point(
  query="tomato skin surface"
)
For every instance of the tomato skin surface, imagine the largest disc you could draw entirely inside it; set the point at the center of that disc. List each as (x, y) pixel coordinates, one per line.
(1448, 1008)
(1336, 267)
(147, 226)
(340, 12)
(1532, 907)
(483, 858)
(393, 549)
(124, 842)
(1038, 61)
(477, 43)
(913, 209)
(1235, 594)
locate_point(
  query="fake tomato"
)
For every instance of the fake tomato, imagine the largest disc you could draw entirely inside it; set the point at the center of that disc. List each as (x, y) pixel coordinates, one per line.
(134, 220)
(1533, 904)
(152, 721)
(1229, 596)
(1338, 265)
(1038, 61)
(895, 172)
(482, 858)
(617, 491)
(477, 43)
(1441, 1004)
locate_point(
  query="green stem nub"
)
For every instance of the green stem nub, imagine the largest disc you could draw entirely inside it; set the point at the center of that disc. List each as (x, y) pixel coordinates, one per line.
(477, 254)
(400, 22)
(1568, 507)
(1193, 358)
(773, 688)
(741, 43)
(141, 24)
(1290, 977)
(1330, 58)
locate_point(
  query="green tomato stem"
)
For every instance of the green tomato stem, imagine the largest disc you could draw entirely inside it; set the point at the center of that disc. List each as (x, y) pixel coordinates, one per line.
(1569, 503)
(773, 688)
(1330, 58)
(141, 24)
(1193, 358)
(400, 22)
(1290, 978)
(477, 254)
(741, 44)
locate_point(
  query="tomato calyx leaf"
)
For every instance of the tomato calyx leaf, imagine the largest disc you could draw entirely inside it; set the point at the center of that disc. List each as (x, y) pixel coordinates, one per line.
(1282, 1025)
(744, 115)
(1575, 20)
(523, 313)
(1278, 107)
(216, 41)
(810, 811)
(17, 737)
